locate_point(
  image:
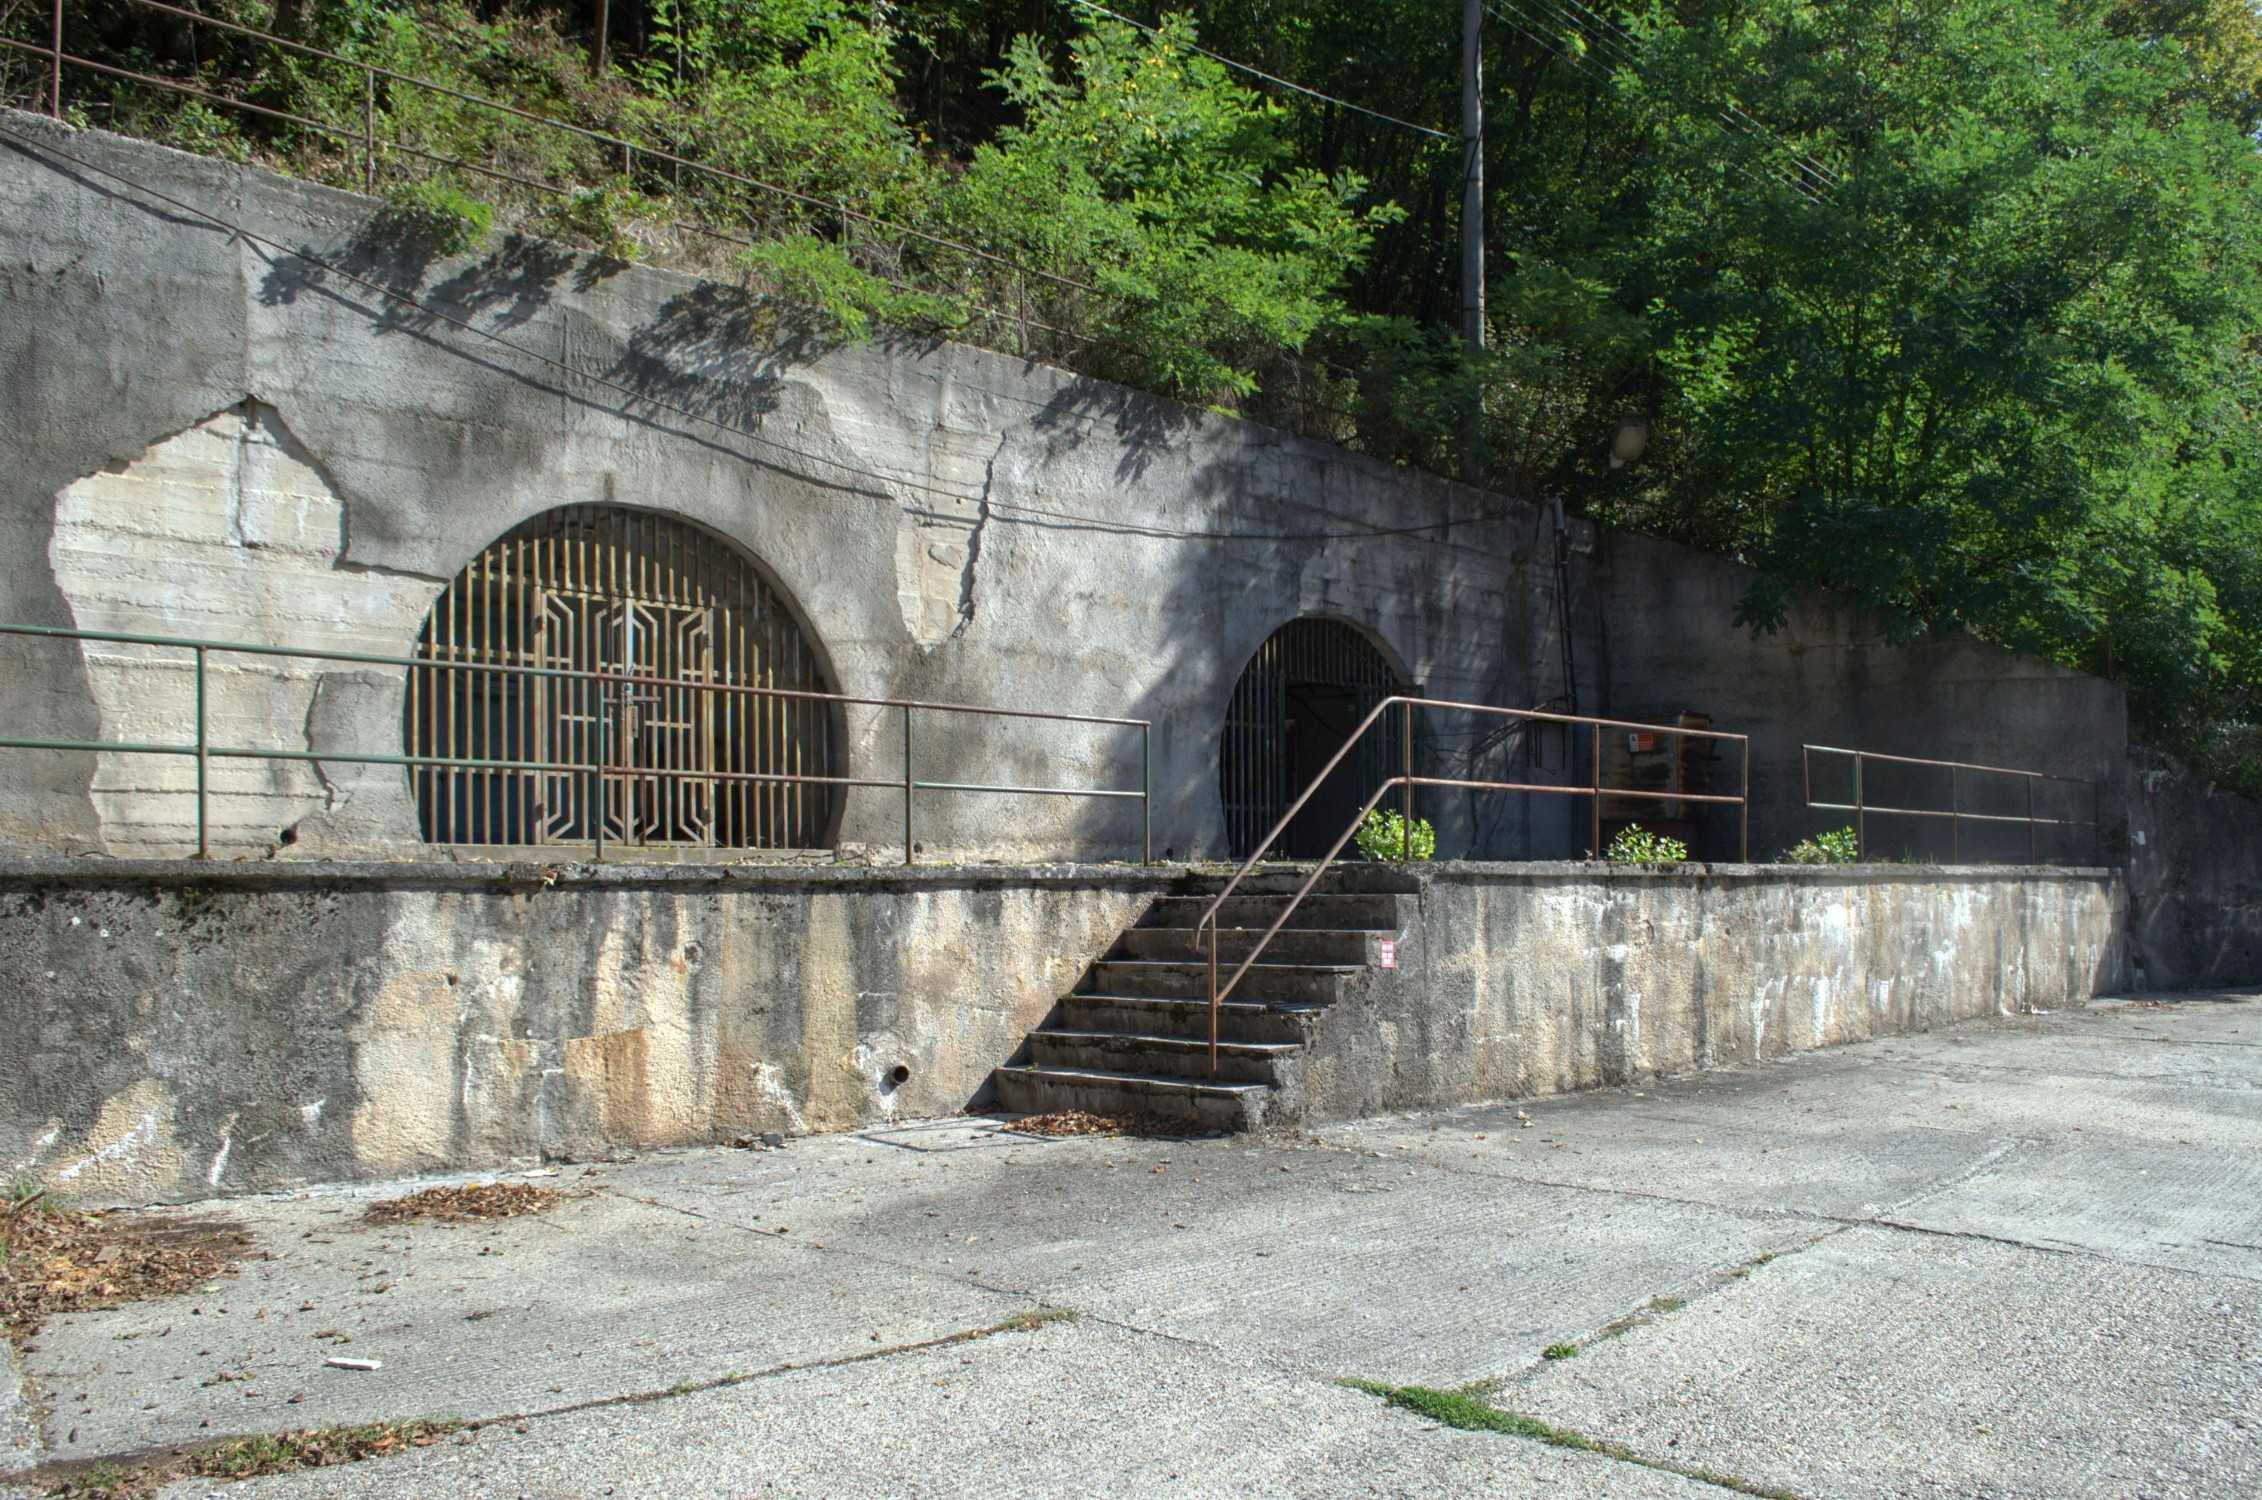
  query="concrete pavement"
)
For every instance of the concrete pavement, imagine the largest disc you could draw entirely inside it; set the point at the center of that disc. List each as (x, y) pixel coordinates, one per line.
(2022, 1258)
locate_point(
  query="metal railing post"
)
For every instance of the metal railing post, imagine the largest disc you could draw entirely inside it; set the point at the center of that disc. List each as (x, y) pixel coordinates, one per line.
(1214, 924)
(203, 766)
(1743, 808)
(2030, 820)
(1406, 791)
(55, 65)
(907, 784)
(1146, 794)
(1594, 796)
(1955, 820)
(369, 131)
(1861, 813)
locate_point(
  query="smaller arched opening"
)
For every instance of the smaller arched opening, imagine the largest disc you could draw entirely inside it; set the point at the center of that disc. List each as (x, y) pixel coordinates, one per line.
(685, 761)
(1296, 704)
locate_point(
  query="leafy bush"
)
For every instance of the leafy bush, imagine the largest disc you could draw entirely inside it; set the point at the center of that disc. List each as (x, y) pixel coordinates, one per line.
(1635, 845)
(1386, 836)
(436, 213)
(1840, 847)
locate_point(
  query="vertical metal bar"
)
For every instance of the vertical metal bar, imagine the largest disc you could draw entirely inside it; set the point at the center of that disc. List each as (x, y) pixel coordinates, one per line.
(604, 753)
(1146, 795)
(1406, 788)
(55, 65)
(369, 130)
(1743, 808)
(203, 766)
(1861, 813)
(1955, 821)
(2030, 820)
(907, 784)
(1216, 920)
(1594, 795)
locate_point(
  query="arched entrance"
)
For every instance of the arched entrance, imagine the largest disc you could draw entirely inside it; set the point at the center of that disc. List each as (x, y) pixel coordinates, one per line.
(1298, 700)
(606, 588)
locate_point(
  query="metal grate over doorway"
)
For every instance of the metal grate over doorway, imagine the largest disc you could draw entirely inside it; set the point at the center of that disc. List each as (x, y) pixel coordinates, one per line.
(601, 588)
(1298, 700)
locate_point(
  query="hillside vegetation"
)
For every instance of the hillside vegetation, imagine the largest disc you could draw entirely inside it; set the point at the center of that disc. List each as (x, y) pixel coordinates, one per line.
(1949, 305)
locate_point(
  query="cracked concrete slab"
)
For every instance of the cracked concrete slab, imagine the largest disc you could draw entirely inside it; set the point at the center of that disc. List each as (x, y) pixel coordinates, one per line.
(2047, 1289)
(596, 1298)
(1880, 1364)
(1024, 1410)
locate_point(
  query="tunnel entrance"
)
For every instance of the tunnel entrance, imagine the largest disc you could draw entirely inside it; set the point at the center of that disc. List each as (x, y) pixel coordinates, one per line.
(1296, 704)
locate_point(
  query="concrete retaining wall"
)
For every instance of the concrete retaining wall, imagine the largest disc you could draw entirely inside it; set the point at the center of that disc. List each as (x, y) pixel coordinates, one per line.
(212, 437)
(176, 1031)
(1520, 980)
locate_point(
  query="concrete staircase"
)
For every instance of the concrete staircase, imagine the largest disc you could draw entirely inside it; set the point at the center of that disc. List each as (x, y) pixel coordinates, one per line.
(1133, 1039)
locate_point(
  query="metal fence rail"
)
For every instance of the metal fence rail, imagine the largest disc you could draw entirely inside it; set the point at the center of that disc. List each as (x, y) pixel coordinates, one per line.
(609, 685)
(1955, 813)
(1406, 780)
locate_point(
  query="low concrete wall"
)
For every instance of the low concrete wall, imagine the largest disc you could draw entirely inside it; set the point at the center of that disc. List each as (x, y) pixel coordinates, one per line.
(1518, 980)
(181, 1030)
(178, 1031)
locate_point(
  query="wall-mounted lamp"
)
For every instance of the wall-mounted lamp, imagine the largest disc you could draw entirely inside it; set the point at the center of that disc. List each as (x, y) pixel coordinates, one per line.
(1630, 443)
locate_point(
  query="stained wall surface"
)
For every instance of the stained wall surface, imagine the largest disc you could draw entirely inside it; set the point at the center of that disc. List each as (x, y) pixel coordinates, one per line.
(177, 1031)
(211, 436)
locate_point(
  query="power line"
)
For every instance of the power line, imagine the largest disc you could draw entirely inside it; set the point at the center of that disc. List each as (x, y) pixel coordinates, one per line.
(1273, 78)
(1558, 48)
(1132, 527)
(1623, 43)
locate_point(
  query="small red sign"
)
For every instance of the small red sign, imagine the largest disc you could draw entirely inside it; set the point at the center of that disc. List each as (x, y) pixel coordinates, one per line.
(1387, 953)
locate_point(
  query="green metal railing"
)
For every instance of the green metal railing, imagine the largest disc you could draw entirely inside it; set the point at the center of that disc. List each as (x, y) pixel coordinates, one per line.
(595, 772)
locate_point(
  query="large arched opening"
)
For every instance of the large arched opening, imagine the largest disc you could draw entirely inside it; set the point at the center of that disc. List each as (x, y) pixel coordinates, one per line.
(1296, 703)
(590, 588)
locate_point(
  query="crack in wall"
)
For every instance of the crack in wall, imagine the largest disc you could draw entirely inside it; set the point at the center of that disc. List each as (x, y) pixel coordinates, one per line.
(969, 572)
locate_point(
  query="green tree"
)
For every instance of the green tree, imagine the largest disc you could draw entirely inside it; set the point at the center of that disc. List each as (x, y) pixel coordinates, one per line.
(1989, 365)
(1153, 177)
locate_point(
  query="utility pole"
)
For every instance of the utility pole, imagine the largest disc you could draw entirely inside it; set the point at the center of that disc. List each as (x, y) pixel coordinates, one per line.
(1472, 225)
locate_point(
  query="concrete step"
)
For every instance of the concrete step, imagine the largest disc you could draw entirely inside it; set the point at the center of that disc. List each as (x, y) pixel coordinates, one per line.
(1161, 1056)
(1291, 945)
(1344, 877)
(1031, 1090)
(1265, 981)
(1373, 912)
(1154, 1015)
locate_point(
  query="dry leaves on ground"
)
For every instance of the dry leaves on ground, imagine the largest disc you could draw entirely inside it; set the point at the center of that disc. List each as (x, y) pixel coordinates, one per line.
(461, 1205)
(1065, 1122)
(58, 1260)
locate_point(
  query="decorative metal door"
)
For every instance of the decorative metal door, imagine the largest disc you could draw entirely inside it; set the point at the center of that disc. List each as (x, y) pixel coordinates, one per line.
(629, 728)
(628, 593)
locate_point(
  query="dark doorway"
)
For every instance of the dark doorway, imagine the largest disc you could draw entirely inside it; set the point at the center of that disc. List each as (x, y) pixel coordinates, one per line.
(1297, 703)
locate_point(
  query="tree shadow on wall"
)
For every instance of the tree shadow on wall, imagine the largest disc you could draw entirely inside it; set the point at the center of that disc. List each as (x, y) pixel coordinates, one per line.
(719, 352)
(1142, 425)
(503, 290)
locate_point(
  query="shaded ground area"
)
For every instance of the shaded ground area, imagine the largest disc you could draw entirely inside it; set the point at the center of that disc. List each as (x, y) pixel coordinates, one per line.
(2023, 1258)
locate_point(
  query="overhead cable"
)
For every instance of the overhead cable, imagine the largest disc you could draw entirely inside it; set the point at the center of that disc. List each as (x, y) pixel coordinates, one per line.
(1273, 78)
(866, 477)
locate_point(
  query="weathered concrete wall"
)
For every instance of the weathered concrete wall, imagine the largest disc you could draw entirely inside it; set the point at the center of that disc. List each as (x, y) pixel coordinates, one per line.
(175, 1031)
(211, 437)
(180, 1030)
(2194, 856)
(1518, 980)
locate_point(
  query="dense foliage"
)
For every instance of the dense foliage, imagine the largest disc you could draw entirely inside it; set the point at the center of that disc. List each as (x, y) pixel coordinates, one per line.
(1947, 305)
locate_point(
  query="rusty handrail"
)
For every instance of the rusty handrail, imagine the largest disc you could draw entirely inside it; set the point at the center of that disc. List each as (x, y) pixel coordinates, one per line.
(604, 765)
(1406, 780)
(1954, 812)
